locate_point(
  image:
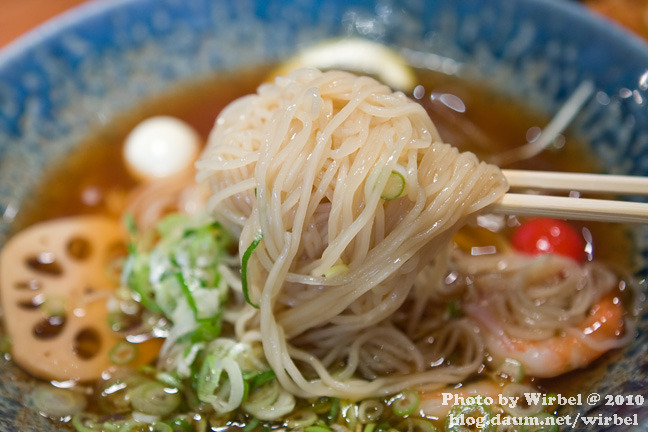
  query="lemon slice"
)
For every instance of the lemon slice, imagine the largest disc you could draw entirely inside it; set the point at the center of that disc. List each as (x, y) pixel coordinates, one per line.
(355, 55)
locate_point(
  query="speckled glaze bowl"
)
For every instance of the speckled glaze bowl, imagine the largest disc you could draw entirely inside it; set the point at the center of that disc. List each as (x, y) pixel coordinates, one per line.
(84, 67)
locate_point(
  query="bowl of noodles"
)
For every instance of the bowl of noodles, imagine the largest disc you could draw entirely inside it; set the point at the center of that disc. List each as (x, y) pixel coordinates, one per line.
(286, 216)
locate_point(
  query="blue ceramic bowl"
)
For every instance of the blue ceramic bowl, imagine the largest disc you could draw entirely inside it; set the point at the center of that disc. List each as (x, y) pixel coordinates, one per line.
(102, 58)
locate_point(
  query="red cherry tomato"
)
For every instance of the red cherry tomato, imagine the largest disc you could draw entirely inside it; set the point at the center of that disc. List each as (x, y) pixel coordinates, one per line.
(545, 235)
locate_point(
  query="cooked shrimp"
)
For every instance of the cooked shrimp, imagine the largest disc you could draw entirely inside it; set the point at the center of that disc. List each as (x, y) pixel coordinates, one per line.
(603, 329)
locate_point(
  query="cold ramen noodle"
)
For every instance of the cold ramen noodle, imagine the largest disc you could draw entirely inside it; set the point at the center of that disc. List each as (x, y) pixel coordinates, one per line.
(330, 266)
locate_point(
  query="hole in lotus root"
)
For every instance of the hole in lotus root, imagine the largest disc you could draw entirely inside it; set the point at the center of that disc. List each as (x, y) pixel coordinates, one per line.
(87, 343)
(44, 263)
(31, 284)
(33, 303)
(79, 248)
(50, 327)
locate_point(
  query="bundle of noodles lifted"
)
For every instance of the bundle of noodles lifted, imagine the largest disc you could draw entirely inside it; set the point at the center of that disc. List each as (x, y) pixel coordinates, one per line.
(343, 194)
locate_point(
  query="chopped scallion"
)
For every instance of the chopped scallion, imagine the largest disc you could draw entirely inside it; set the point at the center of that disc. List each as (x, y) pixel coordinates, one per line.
(394, 187)
(54, 306)
(510, 370)
(86, 422)
(251, 425)
(369, 427)
(418, 425)
(317, 429)
(168, 378)
(154, 398)
(180, 424)
(257, 379)
(464, 411)
(321, 405)
(334, 410)
(244, 264)
(187, 293)
(161, 427)
(301, 419)
(55, 403)
(122, 353)
(405, 403)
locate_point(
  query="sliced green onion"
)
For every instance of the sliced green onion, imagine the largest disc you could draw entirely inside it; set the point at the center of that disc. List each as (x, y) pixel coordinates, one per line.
(86, 422)
(147, 370)
(317, 429)
(110, 426)
(251, 425)
(334, 410)
(349, 411)
(187, 293)
(169, 378)
(207, 330)
(263, 397)
(283, 404)
(161, 427)
(510, 370)
(394, 187)
(170, 224)
(135, 425)
(201, 425)
(122, 353)
(482, 413)
(405, 403)
(138, 281)
(180, 424)
(369, 427)
(321, 405)
(120, 321)
(370, 410)
(244, 264)
(55, 402)
(154, 398)
(257, 379)
(301, 419)
(419, 425)
(114, 398)
(208, 377)
(54, 306)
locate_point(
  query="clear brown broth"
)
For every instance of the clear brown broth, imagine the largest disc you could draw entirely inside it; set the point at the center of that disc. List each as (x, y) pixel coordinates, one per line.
(97, 165)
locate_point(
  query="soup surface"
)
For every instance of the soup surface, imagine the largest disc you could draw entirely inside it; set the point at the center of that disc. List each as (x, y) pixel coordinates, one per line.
(95, 180)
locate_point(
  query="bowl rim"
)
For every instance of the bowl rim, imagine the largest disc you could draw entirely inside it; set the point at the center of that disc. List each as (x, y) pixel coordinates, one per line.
(18, 51)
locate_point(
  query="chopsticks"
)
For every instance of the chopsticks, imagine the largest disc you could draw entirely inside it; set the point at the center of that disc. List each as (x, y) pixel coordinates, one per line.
(574, 207)
(581, 182)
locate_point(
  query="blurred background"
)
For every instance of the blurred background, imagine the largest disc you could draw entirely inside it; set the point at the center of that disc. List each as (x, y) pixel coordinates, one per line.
(19, 16)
